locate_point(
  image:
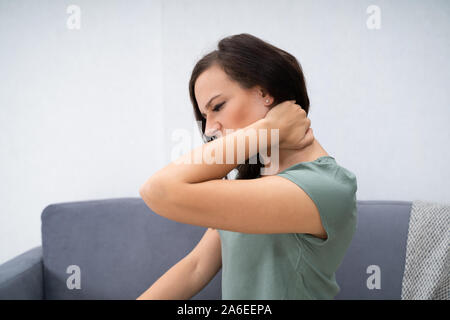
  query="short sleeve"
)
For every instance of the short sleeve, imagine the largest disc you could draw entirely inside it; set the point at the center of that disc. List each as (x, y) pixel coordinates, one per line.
(333, 191)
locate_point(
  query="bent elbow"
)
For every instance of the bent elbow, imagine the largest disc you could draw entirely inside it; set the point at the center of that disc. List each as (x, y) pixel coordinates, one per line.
(152, 193)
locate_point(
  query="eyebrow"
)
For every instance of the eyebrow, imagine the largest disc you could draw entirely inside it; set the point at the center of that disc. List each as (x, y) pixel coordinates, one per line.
(208, 105)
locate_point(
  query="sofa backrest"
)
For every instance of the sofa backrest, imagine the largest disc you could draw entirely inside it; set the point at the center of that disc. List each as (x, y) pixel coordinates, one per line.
(119, 245)
(375, 261)
(117, 248)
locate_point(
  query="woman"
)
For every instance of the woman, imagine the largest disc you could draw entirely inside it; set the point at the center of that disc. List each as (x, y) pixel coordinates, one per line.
(276, 236)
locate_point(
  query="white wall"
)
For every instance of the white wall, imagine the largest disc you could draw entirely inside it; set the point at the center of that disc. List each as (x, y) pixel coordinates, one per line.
(81, 111)
(89, 113)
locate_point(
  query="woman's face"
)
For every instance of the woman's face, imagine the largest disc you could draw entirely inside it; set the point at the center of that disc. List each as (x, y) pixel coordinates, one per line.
(233, 108)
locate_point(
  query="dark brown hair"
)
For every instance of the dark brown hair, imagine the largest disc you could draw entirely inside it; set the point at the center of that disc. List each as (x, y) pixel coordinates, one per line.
(251, 61)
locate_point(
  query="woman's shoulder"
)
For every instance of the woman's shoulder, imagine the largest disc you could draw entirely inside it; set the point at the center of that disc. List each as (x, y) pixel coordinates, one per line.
(324, 169)
(346, 177)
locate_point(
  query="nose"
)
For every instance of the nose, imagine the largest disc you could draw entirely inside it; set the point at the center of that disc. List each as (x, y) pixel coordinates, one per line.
(212, 130)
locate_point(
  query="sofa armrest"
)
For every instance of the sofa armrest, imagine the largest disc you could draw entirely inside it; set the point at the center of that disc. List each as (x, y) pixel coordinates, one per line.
(22, 277)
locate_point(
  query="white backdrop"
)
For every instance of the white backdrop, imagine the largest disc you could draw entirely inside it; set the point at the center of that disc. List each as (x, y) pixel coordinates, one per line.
(89, 113)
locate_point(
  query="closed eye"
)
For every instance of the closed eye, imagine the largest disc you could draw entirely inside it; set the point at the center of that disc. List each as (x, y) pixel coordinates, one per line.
(217, 107)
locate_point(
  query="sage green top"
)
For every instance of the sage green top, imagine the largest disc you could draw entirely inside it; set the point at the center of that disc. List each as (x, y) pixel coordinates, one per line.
(295, 265)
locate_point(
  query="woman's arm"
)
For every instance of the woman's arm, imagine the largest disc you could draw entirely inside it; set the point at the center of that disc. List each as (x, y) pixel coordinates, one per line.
(271, 204)
(193, 166)
(178, 283)
(191, 274)
(287, 120)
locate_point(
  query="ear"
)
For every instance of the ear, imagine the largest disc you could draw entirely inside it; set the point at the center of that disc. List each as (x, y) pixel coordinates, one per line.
(264, 95)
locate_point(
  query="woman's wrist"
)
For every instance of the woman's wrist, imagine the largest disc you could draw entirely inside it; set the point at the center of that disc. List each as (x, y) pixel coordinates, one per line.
(267, 135)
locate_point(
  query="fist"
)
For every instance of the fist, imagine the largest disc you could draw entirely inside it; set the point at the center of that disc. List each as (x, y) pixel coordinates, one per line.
(293, 125)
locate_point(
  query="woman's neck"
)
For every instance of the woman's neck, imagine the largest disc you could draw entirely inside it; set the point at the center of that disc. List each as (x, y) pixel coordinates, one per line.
(287, 158)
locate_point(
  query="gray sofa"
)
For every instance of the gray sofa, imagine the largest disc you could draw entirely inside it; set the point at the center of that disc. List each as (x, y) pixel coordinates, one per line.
(121, 247)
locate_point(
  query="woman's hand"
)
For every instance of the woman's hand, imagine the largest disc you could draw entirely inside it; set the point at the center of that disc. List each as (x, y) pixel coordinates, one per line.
(294, 126)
